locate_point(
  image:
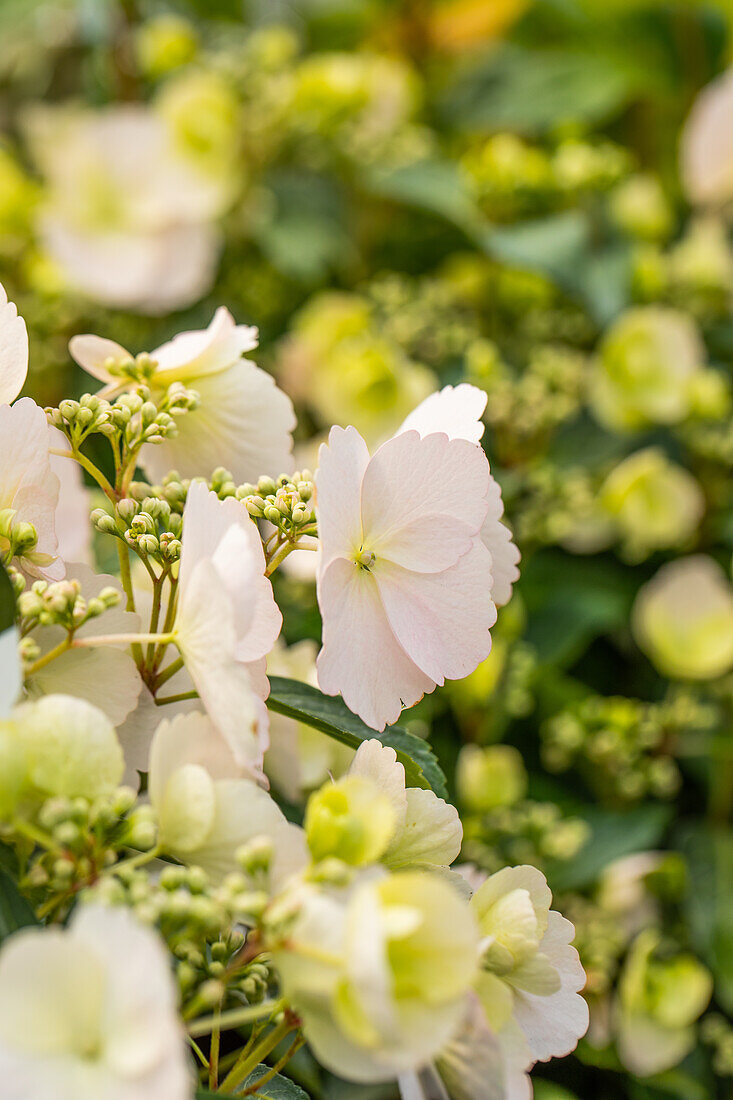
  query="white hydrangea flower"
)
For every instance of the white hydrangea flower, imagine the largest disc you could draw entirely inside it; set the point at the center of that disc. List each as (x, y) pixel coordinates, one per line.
(457, 411)
(73, 529)
(89, 1013)
(404, 579)
(707, 144)
(104, 675)
(28, 485)
(380, 977)
(227, 620)
(244, 422)
(207, 808)
(127, 219)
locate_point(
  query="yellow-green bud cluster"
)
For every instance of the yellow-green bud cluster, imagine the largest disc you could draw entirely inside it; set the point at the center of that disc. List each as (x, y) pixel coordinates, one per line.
(62, 604)
(133, 417)
(717, 1032)
(146, 521)
(622, 746)
(90, 415)
(285, 502)
(526, 832)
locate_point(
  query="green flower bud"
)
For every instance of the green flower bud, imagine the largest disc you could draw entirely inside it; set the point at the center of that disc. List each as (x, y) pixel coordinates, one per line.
(490, 777)
(350, 820)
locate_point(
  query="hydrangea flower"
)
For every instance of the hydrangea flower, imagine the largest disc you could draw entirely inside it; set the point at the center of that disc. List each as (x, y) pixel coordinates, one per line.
(207, 808)
(404, 579)
(89, 1012)
(244, 421)
(13, 350)
(707, 144)
(227, 620)
(380, 976)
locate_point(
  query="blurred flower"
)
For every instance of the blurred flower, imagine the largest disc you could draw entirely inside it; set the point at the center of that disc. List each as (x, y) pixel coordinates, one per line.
(380, 978)
(404, 578)
(207, 809)
(707, 144)
(165, 43)
(127, 219)
(13, 350)
(244, 421)
(458, 25)
(647, 361)
(227, 620)
(29, 491)
(300, 758)
(490, 777)
(339, 362)
(659, 1000)
(683, 619)
(89, 1012)
(654, 503)
(641, 208)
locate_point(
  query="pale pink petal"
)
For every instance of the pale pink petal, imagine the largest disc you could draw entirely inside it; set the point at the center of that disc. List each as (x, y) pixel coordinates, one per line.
(454, 410)
(707, 144)
(441, 620)
(505, 556)
(361, 659)
(341, 466)
(188, 739)
(244, 423)
(423, 500)
(93, 352)
(28, 484)
(13, 350)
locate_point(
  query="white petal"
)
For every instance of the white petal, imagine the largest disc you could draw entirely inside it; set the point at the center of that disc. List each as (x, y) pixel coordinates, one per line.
(553, 1025)
(454, 410)
(707, 144)
(188, 739)
(92, 352)
(361, 659)
(432, 832)
(105, 676)
(244, 423)
(13, 350)
(191, 355)
(379, 763)
(413, 512)
(342, 463)
(73, 528)
(11, 678)
(441, 620)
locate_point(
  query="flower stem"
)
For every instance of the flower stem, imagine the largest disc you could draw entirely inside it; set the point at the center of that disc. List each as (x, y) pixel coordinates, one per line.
(168, 671)
(242, 1069)
(184, 695)
(91, 469)
(234, 1018)
(120, 639)
(52, 654)
(279, 557)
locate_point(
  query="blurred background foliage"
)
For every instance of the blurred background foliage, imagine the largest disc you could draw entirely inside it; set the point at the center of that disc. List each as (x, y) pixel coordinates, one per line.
(408, 193)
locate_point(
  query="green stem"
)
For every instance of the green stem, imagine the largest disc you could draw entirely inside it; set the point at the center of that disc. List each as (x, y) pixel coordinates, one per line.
(168, 671)
(214, 1053)
(137, 861)
(279, 558)
(154, 617)
(119, 639)
(234, 1018)
(242, 1069)
(38, 836)
(280, 1064)
(52, 654)
(91, 469)
(184, 695)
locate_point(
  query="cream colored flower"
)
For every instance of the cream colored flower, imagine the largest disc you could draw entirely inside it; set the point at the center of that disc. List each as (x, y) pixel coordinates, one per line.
(206, 807)
(244, 422)
(683, 619)
(89, 1013)
(707, 144)
(13, 350)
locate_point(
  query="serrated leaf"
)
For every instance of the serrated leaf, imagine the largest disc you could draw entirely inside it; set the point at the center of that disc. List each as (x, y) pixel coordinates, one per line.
(276, 1088)
(331, 716)
(15, 911)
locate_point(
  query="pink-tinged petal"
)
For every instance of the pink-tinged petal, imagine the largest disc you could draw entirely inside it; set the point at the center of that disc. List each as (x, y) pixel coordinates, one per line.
(441, 620)
(455, 410)
(498, 540)
(93, 352)
(28, 484)
(206, 351)
(361, 659)
(423, 499)
(206, 638)
(707, 144)
(73, 529)
(342, 463)
(13, 350)
(244, 422)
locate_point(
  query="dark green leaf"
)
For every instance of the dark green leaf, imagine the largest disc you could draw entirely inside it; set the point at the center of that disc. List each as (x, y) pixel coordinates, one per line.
(7, 602)
(613, 835)
(277, 1088)
(331, 716)
(557, 245)
(435, 186)
(709, 855)
(15, 911)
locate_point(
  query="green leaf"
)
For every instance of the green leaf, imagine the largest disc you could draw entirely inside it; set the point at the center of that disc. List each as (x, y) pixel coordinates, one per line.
(709, 903)
(556, 245)
(331, 716)
(277, 1088)
(7, 601)
(432, 185)
(15, 911)
(613, 835)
